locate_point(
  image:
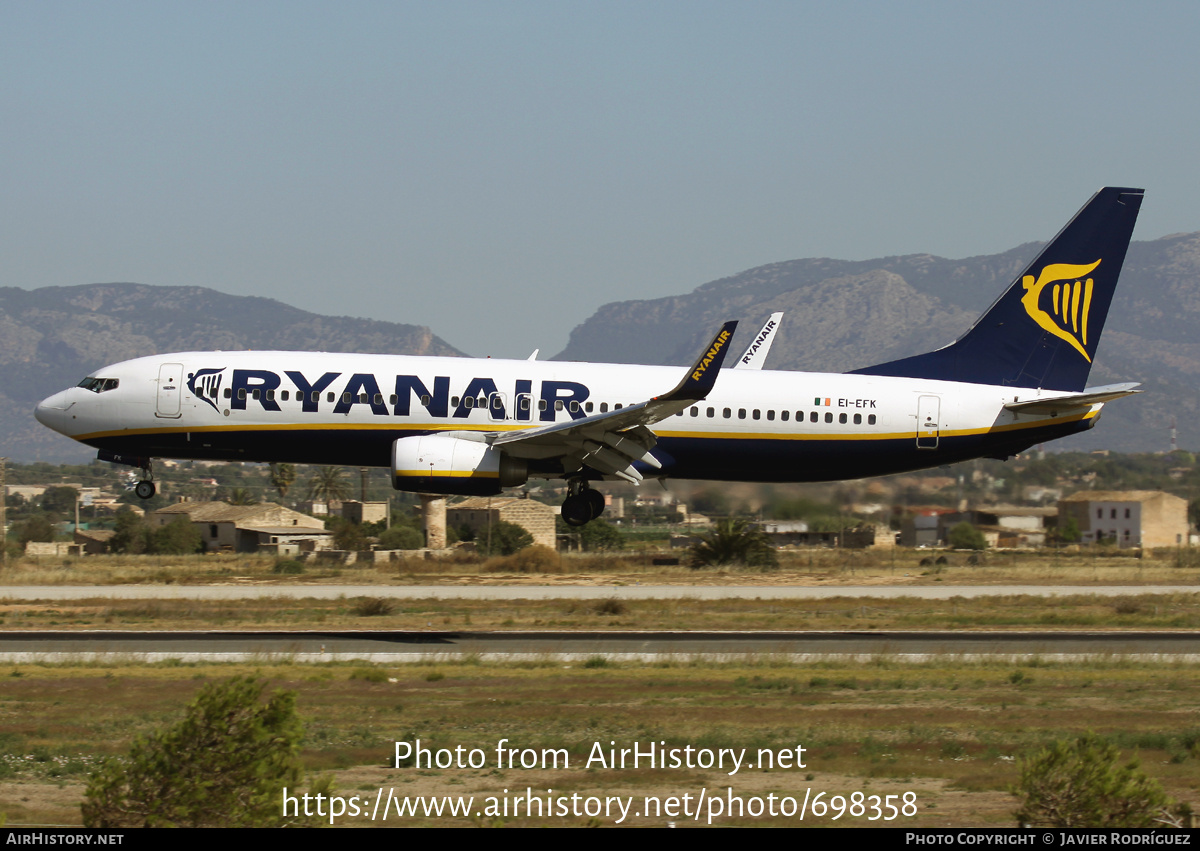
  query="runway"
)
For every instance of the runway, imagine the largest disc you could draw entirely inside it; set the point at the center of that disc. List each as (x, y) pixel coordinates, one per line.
(397, 647)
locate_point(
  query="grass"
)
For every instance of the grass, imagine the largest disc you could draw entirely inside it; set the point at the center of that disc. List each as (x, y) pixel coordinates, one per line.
(817, 566)
(951, 731)
(1082, 611)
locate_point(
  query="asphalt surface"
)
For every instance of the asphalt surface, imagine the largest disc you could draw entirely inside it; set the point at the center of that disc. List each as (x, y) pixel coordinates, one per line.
(409, 646)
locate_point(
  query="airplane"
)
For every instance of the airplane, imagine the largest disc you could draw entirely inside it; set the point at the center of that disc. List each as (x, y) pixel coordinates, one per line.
(462, 426)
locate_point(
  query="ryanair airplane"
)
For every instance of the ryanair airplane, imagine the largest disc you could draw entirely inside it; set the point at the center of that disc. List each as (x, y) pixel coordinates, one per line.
(468, 426)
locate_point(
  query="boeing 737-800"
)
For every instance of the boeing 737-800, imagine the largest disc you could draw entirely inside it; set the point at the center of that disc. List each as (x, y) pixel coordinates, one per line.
(468, 426)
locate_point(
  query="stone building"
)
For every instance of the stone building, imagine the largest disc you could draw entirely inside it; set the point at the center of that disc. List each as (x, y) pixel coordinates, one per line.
(248, 528)
(534, 517)
(1127, 518)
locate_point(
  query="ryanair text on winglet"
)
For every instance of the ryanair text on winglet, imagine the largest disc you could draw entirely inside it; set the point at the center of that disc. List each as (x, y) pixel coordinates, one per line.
(717, 345)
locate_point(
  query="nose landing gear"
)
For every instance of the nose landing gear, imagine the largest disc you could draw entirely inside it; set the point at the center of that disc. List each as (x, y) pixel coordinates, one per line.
(583, 504)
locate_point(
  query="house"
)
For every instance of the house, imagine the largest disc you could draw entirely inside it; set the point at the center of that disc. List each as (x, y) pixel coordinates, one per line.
(248, 528)
(1127, 518)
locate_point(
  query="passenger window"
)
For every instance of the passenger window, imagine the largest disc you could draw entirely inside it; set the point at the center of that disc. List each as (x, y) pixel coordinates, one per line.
(770, 415)
(454, 401)
(829, 417)
(378, 398)
(858, 419)
(842, 419)
(242, 394)
(316, 396)
(558, 405)
(726, 413)
(755, 414)
(524, 404)
(783, 415)
(542, 404)
(346, 398)
(812, 416)
(392, 400)
(588, 407)
(228, 393)
(695, 412)
(604, 407)
(618, 406)
(257, 394)
(284, 395)
(710, 413)
(741, 413)
(574, 407)
(870, 419)
(469, 402)
(330, 396)
(363, 398)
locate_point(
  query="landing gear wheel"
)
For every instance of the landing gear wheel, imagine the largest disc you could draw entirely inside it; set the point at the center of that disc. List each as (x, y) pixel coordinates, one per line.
(576, 510)
(145, 489)
(595, 501)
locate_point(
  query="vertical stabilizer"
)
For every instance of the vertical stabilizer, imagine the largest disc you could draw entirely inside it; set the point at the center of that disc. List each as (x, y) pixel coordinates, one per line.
(1043, 331)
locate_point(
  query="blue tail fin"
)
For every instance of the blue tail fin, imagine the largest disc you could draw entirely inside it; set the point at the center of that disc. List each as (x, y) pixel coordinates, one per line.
(1043, 331)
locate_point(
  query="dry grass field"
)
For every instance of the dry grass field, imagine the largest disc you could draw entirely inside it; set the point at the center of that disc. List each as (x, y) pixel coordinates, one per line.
(949, 731)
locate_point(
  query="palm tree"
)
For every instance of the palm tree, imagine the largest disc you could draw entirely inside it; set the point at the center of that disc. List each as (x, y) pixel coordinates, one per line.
(283, 476)
(734, 541)
(328, 485)
(241, 496)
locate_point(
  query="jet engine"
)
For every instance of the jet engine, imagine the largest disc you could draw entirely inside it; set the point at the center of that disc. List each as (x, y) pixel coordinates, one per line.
(438, 463)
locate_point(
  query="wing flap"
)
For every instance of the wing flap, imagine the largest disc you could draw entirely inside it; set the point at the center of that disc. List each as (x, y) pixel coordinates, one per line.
(613, 442)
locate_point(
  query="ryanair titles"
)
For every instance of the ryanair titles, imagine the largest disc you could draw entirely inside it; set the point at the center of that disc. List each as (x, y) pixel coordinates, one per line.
(711, 354)
(340, 393)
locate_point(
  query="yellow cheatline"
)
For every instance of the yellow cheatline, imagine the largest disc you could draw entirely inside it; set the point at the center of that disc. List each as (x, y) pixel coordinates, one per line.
(724, 435)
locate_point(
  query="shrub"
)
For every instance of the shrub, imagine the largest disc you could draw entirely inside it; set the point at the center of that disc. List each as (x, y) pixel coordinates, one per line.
(1081, 784)
(224, 765)
(288, 567)
(373, 606)
(964, 536)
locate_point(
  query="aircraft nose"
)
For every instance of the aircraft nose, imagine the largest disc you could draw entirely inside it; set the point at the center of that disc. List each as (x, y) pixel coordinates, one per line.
(52, 411)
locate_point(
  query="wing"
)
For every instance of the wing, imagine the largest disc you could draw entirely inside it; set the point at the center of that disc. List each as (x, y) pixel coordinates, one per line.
(611, 443)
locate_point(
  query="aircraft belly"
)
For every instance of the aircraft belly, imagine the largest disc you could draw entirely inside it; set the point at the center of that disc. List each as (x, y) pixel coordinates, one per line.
(747, 458)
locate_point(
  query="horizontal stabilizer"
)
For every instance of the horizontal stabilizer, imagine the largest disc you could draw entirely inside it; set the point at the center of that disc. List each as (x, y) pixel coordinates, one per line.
(1089, 397)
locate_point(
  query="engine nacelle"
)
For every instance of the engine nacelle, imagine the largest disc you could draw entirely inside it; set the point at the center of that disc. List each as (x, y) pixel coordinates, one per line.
(451, 465)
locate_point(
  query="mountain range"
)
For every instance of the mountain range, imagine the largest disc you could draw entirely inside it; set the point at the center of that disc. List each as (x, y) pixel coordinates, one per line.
(839, 315)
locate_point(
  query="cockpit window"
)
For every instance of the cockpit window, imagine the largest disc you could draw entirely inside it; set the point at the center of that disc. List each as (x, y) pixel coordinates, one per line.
(98, 385)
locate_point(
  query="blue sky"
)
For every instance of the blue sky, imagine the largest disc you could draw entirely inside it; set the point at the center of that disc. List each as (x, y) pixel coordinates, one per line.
(497, 171)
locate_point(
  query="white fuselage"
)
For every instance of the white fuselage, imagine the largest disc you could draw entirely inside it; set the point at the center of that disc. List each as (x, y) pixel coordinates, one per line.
(327, 408)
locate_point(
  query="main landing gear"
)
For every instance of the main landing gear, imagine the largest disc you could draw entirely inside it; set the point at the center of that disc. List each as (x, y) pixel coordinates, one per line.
(582, 504)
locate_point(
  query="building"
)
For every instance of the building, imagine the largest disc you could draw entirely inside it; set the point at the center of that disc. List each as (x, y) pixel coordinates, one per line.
(248, 528)
(1126, 518)
(365, 512)
(534, 517)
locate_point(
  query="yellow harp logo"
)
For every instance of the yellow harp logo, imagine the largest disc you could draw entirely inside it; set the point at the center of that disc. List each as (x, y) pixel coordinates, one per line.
(1070, 300)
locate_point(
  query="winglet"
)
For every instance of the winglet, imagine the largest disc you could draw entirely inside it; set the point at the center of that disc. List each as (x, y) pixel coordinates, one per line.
(699, 380)
(756, 354)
